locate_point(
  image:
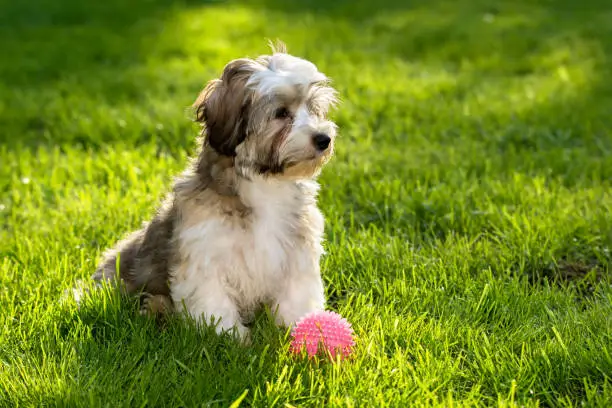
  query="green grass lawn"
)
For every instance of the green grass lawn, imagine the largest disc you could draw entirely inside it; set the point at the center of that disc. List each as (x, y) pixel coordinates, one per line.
(469, 206)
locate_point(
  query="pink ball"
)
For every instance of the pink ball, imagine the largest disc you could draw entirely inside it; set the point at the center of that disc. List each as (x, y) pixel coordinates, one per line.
(325, 332)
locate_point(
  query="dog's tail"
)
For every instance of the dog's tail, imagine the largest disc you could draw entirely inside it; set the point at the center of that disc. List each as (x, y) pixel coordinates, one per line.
(119, 263)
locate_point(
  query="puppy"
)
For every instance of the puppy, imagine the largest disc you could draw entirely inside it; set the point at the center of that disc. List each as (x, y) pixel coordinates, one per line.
(241, 227)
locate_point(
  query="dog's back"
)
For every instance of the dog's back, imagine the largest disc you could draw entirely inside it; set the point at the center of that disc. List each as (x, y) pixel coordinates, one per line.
(142, 259)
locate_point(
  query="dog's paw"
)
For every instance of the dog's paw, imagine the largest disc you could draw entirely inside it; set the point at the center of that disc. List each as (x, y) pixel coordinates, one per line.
(244, 337)
(156, 305)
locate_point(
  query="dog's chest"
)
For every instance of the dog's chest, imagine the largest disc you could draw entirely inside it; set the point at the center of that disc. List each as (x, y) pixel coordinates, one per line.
(272, 229)
(253, 254)
(272, 235)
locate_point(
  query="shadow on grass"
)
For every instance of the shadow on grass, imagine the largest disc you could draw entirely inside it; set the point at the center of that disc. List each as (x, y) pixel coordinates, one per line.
(62, 57)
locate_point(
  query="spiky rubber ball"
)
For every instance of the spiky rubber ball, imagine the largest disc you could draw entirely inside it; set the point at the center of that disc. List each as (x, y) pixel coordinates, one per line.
(322, 333)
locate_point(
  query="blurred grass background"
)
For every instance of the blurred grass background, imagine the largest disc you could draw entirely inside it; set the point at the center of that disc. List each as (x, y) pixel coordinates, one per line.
(468, 206)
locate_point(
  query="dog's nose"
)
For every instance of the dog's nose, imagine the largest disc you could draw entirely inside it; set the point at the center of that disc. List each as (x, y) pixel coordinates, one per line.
(321, 141)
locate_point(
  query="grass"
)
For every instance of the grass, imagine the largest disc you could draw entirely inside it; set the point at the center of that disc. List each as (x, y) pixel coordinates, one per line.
(468, 208)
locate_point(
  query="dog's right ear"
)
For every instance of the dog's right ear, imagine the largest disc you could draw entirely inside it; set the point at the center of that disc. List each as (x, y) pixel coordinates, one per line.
(223, 107)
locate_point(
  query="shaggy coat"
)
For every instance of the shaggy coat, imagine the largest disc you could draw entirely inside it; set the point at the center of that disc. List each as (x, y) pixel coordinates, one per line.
(241, 227)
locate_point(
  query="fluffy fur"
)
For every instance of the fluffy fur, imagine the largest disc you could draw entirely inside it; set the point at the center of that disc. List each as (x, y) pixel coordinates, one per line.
(241, 227)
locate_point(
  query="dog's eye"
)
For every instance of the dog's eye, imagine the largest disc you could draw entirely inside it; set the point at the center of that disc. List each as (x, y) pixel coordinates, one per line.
(282, 113)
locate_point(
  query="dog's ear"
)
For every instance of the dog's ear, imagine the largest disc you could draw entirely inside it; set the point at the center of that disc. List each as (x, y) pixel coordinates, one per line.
(223, 107)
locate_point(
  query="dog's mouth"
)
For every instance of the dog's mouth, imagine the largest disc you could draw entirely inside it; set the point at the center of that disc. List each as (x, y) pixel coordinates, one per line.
(306, 166)
(316, 159)
(287, 164)
(292, 168)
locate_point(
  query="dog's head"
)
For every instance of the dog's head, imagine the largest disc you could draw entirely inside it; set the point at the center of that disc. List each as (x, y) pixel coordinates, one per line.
(271, 115)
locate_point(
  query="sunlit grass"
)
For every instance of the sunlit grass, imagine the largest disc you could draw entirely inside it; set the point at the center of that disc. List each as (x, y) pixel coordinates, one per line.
(468, 206)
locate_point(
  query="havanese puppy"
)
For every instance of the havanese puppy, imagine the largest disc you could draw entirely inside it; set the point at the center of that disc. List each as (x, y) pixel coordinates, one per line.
(241, 227)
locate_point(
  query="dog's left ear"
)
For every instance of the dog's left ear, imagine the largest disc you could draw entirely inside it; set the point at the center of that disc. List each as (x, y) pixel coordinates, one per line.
(223, 107)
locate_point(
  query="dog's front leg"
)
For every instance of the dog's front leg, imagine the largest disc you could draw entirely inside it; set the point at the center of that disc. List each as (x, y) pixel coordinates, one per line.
(210, 303)
(301, 294)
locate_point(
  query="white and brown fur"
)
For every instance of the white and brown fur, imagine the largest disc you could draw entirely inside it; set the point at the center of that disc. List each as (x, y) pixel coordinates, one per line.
(241, 227)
